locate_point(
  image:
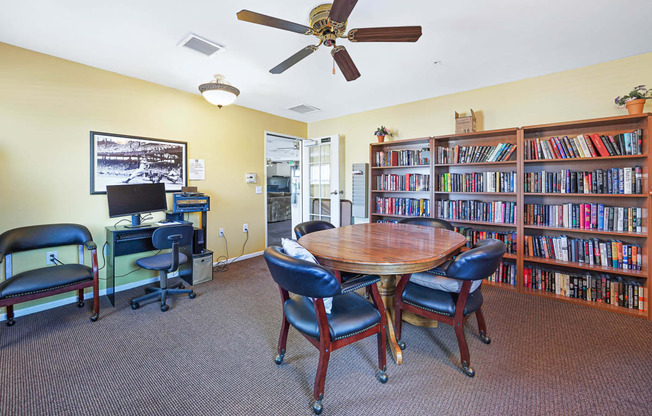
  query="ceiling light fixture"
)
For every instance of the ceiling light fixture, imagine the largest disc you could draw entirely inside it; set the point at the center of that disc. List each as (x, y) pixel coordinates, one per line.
(219, 92)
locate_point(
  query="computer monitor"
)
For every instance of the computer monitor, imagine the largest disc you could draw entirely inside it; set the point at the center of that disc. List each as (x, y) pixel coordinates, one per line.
(136, 199)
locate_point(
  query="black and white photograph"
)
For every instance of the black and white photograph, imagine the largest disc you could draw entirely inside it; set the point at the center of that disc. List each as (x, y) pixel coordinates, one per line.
(120, 159)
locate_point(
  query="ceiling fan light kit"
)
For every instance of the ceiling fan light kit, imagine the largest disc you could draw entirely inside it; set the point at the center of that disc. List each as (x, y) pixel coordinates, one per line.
(328, 23)
(219, 92)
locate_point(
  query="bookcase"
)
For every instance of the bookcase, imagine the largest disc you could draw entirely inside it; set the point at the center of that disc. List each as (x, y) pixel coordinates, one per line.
(573, 216)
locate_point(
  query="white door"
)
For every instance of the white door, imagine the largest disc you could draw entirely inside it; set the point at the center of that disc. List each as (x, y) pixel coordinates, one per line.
(321, 179)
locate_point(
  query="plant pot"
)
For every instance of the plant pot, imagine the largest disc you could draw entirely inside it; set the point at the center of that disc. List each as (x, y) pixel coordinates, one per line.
(635, 106)
(381, 138)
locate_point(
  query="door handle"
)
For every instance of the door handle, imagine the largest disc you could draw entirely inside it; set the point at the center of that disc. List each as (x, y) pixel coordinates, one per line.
(337, 192)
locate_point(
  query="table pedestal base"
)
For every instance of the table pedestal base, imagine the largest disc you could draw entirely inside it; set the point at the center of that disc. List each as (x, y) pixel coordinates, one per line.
(417, 320)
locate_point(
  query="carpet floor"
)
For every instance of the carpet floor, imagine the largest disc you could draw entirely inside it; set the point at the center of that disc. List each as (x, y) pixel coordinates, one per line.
(213, 355)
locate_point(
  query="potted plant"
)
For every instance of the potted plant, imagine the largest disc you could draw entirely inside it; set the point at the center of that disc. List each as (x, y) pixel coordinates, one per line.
(381, 132)
(635, 100)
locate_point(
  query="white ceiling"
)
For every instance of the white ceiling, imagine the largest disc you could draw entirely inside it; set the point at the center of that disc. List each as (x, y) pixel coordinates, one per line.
(478, 42)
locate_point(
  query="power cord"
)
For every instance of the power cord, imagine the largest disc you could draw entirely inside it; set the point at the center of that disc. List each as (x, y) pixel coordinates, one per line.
(222, 265)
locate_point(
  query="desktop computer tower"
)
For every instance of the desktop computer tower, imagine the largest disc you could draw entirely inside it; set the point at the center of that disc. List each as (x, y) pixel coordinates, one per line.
(199, 241)
(202, 267)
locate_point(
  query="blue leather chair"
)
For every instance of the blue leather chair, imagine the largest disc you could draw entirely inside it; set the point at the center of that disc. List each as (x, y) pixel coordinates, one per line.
(352, 318)
(428, 222)
(452, 305)
(167, 237)
(40, 282)
(310, 227)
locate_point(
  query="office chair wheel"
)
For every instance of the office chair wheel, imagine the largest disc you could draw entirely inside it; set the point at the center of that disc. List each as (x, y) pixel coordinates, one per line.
(95, 317)
(279, 359)
(181, 286)
(382, 377)
(192, 295)
(10, 322)
(317, 407)
(135, 305)
(401, 344)
(164, 307)
(467, 370)
(484, 338)
(80, 304)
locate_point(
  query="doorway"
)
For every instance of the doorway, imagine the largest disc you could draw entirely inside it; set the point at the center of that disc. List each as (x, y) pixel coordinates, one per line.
(282, 186)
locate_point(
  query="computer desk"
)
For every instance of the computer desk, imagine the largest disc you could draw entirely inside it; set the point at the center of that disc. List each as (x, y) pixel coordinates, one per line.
(122, 241)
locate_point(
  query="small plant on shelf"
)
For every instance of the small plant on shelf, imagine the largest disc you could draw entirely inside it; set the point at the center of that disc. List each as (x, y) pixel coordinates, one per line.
(635, 98)
(381, 132)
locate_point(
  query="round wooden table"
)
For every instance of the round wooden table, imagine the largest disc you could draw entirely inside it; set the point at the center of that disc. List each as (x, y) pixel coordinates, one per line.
(386, 249)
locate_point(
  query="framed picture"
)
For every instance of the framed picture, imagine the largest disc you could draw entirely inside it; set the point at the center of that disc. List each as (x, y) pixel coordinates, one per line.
(118, 159)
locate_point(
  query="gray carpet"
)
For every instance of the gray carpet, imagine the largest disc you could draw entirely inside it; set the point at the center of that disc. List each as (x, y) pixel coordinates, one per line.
(213, 355)
(278, 230)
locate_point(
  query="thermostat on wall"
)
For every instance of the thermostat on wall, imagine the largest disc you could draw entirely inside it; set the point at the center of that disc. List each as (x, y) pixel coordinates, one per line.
(251, 178)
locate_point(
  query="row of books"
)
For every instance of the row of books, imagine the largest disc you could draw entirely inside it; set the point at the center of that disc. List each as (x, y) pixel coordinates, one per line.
(403, 206)
(506, 273)
(494, 211)
(473, 236)
(610, 289)
(584, 145)
(475, 154)
(407, 182)
(404, 157)
(585, 217)
(477, 182)
(610, 253)
(626, 181)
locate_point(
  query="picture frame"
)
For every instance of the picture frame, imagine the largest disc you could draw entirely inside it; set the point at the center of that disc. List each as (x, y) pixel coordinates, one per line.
(117, 159)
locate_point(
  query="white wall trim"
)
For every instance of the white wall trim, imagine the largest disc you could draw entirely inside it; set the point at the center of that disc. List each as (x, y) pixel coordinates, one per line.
(73, 299)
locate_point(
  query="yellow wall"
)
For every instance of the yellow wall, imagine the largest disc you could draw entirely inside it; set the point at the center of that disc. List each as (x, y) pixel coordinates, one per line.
(49, 105)
(577, 94)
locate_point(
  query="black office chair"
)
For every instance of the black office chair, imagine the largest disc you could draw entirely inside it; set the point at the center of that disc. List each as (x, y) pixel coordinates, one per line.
(310, 227)
(428, 222)
(174, 237)
(452, 305)
(352, 318)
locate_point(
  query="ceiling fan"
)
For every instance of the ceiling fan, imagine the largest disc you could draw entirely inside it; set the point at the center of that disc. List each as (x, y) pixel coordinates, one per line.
(328, 23)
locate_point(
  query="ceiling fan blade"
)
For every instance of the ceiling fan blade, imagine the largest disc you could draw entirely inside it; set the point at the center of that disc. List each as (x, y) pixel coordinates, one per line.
(345, 63)
(341, 10)
(293, 59)
(385, 34)
(261, 19)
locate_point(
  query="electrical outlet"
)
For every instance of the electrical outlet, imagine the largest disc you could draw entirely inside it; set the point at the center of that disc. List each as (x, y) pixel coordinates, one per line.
(49, 257)
(221, 232)
(245, 228)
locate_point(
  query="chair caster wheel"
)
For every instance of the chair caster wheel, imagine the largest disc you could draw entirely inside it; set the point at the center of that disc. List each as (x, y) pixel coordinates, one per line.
(192, 295)
(279, 359)
(467, 370)
(80, 304)
(317, 407)
(401, 345)
(382, 377)
(10, 322)
(135, 305)
(485, 338)
(164, 307)
(182, 287)
(95, 317)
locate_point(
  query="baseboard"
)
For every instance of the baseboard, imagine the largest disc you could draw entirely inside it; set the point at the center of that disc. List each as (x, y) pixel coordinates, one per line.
(73, 298)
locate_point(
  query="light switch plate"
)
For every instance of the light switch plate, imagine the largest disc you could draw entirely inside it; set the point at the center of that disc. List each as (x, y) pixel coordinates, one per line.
(259, 189)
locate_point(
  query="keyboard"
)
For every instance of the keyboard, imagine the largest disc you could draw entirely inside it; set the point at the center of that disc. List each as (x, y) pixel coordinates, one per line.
(135, 235)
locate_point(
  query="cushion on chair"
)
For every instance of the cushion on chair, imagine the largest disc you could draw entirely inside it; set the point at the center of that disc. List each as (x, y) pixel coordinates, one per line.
(439, 301)
(296, 250)
(429, 279)
(160, 261)
(351, 314)
(44, 279)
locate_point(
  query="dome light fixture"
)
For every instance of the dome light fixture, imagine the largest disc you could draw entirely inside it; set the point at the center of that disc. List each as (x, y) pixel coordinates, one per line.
(219, 92)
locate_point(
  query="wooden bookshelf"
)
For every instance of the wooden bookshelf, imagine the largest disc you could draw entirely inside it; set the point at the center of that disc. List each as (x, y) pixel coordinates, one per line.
(517, 163)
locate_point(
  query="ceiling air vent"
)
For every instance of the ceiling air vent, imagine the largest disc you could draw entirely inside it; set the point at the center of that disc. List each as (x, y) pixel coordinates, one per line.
(203, 46)
(304, 108)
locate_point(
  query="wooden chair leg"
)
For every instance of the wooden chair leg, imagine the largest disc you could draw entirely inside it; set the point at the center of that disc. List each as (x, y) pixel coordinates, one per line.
(482, 326)
(96, 300)
(465, 358)
(320, 378)
(10, 315)
(282, 340)
(80, 297)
